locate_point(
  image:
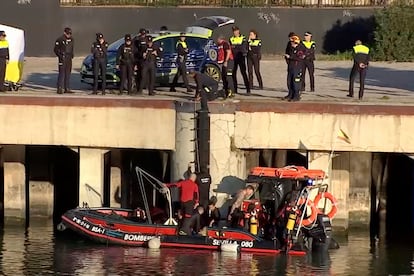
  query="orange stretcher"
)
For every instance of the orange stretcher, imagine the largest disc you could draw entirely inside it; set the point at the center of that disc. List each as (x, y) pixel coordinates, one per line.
(293, 172)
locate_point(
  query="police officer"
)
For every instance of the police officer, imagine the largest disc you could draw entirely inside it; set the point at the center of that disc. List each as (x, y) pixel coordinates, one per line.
(64, 47)
(308, 62)
(140, 44)
(361, 60)
(182, 52)
(125, 62)
(254, 56)
(239, 47)
(288, 51)
(4, 59)
(99, 51)
(149, 68)
(207, 89)
(226, 61)
(295, 68)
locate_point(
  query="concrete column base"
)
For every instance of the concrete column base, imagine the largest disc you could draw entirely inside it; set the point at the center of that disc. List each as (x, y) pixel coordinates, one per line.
(91, 176)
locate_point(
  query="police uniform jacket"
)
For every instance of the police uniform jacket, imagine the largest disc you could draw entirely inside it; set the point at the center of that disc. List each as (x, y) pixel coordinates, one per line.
(64, 47)
(150, 57)
(239, 45)
(4, 49)
(202, 80)
(99, 51)
(125, 55)
(255, 46)
(297, 57)
(182, 50)
(361, 54)
(310, 46)
(140, 45)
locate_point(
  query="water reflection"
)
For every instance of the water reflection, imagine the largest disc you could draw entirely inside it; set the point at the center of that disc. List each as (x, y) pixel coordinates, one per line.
(38, 251)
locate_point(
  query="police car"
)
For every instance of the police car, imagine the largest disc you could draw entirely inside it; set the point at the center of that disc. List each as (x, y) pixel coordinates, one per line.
(202, 56)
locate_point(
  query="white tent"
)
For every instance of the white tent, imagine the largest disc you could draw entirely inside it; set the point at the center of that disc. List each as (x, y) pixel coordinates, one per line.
(14, 69)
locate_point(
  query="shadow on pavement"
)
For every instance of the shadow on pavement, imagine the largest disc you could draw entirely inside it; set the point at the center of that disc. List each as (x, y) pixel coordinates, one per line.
(378, 76)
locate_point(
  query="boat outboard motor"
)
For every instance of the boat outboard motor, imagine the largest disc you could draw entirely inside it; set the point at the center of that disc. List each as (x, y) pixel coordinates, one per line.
(321, 233)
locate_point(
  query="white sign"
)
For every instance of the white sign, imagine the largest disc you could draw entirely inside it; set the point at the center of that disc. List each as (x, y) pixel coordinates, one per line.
(140, 238)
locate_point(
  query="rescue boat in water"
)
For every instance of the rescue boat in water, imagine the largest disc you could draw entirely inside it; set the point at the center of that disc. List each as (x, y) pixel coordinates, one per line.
(278, 221)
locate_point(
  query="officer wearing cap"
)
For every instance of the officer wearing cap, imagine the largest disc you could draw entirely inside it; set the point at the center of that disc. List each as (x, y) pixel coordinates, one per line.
(140, 44)
(308, 62)
(361, 61)
(295, 68)
(4, 58)
(125, 62)
(151, 54)
(64, 48)
(240, 48)
(182, 52)
(288, 51)
(99, 51)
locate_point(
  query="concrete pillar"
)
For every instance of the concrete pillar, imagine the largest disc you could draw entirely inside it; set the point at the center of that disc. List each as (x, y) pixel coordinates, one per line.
(91, 176)
(280, 158)
(184, 144)
(225, 158)
(252, 159)
(14, 184)
(267, 155)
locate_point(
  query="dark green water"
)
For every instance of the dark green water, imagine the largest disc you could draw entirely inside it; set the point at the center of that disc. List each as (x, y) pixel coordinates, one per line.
(38, 251)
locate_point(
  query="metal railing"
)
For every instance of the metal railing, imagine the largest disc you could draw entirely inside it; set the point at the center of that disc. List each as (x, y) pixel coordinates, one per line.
(230, 3)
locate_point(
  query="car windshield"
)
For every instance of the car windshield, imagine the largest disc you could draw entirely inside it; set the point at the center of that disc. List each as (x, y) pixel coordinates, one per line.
(197, 43)
(115, 45)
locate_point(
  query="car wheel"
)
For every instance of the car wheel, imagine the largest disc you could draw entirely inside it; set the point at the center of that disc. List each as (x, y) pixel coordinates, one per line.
(212, 71)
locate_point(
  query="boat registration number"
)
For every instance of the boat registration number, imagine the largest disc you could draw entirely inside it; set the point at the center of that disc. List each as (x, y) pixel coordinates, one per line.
(248, 244)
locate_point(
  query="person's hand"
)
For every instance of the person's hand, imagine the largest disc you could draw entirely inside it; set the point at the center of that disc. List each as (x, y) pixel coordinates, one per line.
(117, 66)
(287, 56)
(362, 65)
(155, 53)
(225, 64)
(164, 190)
(196, 205)
(135, 68)
(229, 217)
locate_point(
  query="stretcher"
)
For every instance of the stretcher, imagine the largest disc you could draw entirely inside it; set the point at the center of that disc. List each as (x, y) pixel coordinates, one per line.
(14, 68)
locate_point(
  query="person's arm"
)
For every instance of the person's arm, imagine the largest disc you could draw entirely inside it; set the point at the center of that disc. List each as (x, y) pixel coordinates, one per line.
(7, 53)
(93, 49)
(196, 195)
(118, 55)
(237, 202)
(57, 48)
(215, 217)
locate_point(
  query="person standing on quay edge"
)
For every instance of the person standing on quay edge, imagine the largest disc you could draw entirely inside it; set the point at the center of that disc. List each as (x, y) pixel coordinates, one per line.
(125, 61)
(64, 48)
(308, 62)
(361, 60)
(239, 47)
(4, 58)
(295, 68)
(254, 55)
(99, 51)
(182, 52)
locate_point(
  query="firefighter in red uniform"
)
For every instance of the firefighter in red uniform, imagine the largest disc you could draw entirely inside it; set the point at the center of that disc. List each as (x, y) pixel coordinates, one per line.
(189, 195)
(226, 61)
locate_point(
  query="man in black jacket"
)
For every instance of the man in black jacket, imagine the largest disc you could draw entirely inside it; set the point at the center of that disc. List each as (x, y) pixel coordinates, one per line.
(140, 44)
(207, 88)
(125, 62)
(99, 51)
(149, 66)
(295, 68)
(361, 60)
(64, 48)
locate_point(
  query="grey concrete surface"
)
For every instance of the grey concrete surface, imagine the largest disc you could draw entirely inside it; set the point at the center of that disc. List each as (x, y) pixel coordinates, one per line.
(386, 84)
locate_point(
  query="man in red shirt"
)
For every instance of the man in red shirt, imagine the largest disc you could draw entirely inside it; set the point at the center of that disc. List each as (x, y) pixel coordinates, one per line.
(226, 61)
(189, 195)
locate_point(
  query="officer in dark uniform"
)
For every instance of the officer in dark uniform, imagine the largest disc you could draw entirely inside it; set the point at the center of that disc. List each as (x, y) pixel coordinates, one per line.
(149, 68)
(361, 61)
(308, 63)
(182, 52)
(64, 47)
(226, 61)
(207, 89)
(4, 59)
(295, 68)
(288, 51)
(253, 58)
(125, 62)
(239, 47)
(99, 51)
(140, 44)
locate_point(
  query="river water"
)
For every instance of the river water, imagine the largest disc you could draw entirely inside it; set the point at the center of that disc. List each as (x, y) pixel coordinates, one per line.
(40, 251)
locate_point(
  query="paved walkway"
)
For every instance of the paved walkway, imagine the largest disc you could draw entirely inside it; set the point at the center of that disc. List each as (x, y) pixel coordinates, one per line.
(387, 83)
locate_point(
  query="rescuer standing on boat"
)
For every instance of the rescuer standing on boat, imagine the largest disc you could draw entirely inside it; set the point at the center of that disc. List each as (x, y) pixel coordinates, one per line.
(308, 62)
(64, 47)
(361, 60)
(4, 58)
(189, 195)
(254, 56)
(149, 66)
(226, 61)
(239, 47)
(236, 214)
(125, 61)
(182, 52)
(99, 51)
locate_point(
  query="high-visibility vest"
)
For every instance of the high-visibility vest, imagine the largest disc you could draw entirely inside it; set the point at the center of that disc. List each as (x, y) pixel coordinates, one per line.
(308, 44)
(183, 44)
(237, 40)
(361, 49)
(255, 42)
